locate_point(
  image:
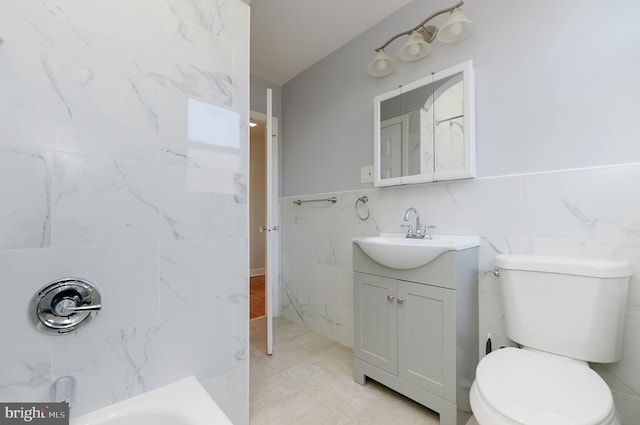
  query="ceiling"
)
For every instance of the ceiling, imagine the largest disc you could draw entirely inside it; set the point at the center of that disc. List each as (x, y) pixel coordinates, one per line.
(288, 36)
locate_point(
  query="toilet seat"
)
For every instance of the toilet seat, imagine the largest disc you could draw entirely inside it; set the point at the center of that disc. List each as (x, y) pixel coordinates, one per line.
(515, 386)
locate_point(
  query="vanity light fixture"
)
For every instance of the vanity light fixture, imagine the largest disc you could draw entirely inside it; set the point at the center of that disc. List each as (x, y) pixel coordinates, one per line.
(457, 28)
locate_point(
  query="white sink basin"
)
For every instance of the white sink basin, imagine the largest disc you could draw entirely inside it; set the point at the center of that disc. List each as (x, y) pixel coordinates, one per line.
(395, 251)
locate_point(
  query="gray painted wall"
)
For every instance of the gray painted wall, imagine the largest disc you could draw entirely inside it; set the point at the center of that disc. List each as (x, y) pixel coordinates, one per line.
(551, 94)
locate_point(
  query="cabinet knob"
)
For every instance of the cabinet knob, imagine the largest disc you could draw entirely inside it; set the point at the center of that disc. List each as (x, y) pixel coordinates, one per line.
(390, 297)
(400, 300)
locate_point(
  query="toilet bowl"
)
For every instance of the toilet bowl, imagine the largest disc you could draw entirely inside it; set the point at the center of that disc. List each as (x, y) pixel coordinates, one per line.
(564, 312)
(520, 386)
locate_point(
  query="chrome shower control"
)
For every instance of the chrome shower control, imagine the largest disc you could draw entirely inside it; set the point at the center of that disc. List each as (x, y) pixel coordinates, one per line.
(65, 305)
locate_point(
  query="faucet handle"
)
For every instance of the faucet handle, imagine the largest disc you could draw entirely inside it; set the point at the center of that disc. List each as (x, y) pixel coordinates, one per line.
(409, 228)
(427, 232)
(422, 231)
(68, 306)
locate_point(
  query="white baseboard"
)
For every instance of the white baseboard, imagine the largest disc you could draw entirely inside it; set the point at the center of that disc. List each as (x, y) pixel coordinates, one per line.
(257, 272)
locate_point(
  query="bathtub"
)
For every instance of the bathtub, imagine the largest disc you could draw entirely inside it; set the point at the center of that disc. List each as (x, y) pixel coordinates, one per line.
(181, 403)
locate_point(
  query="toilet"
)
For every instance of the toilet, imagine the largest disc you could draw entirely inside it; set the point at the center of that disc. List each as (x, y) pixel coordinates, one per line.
(563, 312)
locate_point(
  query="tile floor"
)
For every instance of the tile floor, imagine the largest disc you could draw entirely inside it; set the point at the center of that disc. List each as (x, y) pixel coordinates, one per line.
(309, 380)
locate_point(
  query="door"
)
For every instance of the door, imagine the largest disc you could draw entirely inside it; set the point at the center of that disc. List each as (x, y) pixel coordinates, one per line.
(272, 276)
(272, 260)
(375, 330)
(426, 337)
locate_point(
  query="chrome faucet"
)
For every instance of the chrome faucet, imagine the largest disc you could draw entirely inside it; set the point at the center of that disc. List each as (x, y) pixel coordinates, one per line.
(63, 389)
(420, 231)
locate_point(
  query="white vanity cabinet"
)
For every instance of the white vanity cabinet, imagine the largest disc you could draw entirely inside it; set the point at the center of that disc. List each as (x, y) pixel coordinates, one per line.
(415, 330)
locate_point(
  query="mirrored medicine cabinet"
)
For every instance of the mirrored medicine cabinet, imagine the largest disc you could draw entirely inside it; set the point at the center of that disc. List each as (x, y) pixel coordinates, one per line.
(425, 131)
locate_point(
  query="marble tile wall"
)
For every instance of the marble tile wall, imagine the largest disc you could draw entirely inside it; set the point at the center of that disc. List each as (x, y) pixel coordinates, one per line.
(588, 212)
(123, 160)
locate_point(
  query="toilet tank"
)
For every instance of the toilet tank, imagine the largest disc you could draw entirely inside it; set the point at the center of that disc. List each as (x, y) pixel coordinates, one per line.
(574, 307)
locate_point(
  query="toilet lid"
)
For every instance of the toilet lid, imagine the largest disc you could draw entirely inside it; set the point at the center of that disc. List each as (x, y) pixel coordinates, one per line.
(534, 388)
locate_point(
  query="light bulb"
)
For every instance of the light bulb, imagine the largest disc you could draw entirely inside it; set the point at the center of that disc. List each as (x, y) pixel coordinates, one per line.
(414, 49)
(381, 65)
(455, 29)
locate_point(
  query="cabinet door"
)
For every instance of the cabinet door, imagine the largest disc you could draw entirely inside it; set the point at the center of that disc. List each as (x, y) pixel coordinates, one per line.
(375, 321)
(426, 338)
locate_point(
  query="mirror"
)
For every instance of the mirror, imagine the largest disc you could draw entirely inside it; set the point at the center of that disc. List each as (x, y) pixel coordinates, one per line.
(425, 131)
